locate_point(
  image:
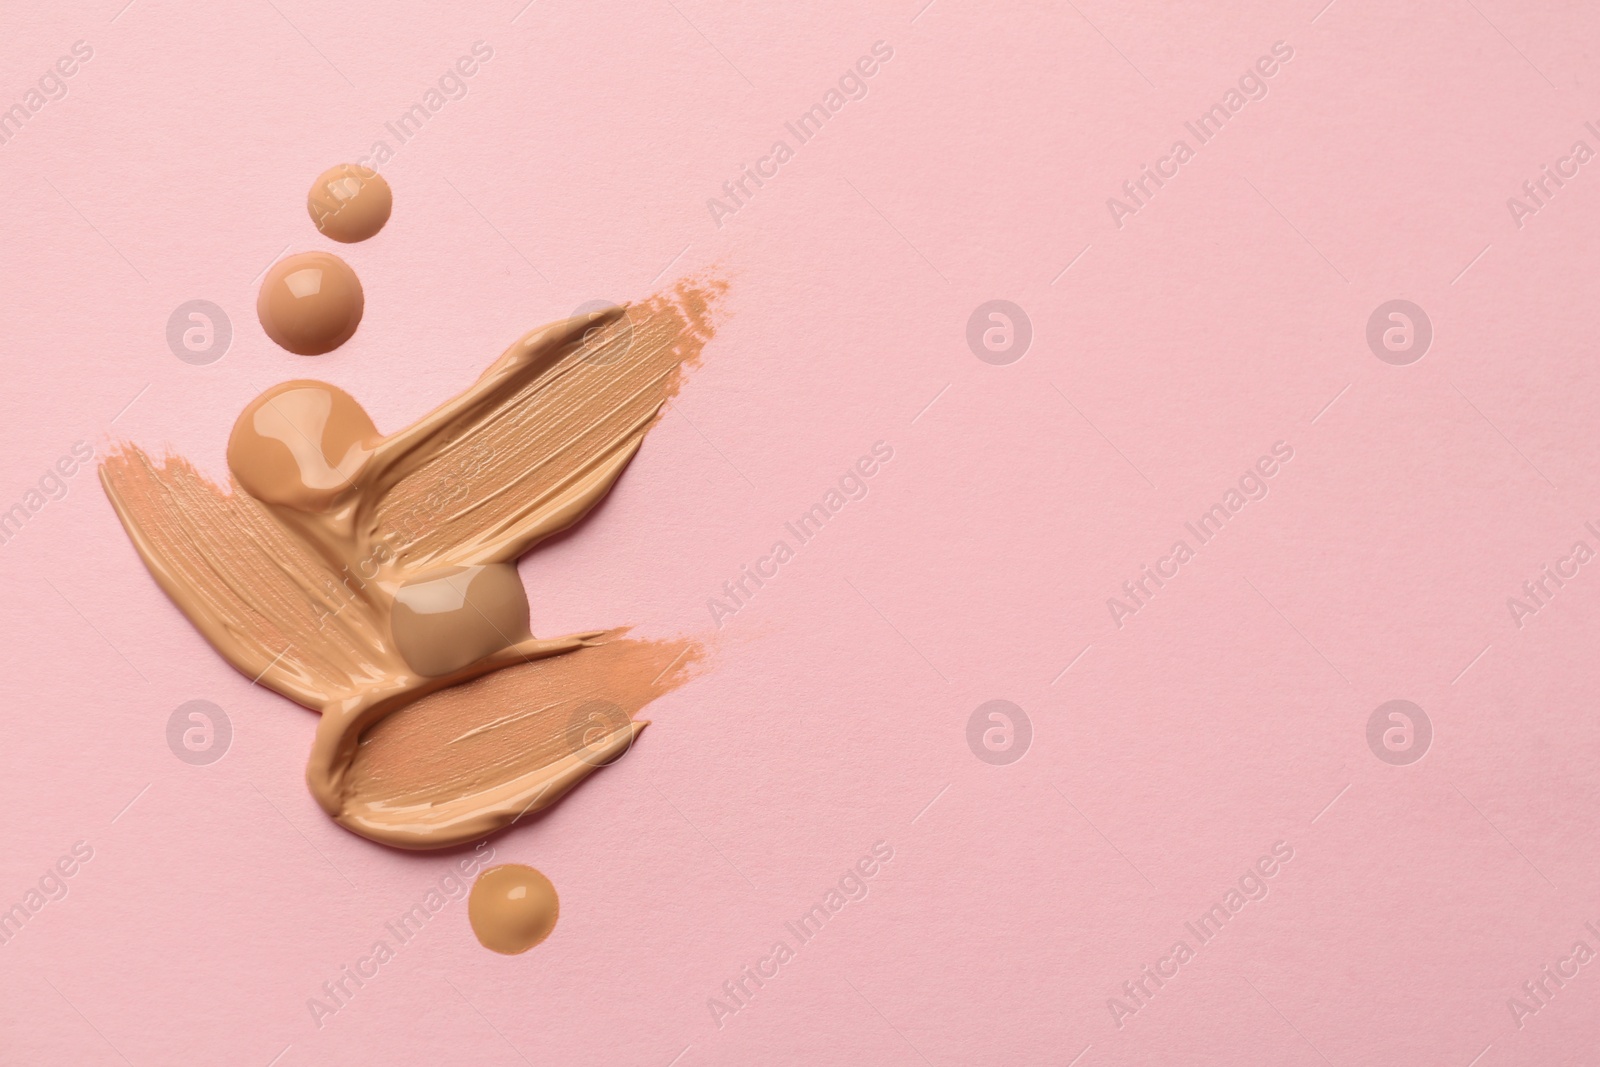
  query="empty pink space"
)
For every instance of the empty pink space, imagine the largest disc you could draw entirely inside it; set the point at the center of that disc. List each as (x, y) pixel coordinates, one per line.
(1178, 421)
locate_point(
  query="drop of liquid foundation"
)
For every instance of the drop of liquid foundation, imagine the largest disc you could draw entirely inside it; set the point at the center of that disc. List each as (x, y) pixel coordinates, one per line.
(310, 303)
(300, 444)
(512, 908)
(349, 203)
(445, 619)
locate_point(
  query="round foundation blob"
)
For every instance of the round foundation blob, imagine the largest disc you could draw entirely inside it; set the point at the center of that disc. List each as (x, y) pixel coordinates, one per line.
(445, 619)
(310, 303)
(512, 908)
(349, 202)
(300, 444)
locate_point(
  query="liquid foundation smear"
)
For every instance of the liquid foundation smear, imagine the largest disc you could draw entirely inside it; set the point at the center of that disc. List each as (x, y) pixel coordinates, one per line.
(372, 577)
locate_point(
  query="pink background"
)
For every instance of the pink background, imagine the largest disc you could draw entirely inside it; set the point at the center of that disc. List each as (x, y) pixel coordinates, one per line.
(1228, 714)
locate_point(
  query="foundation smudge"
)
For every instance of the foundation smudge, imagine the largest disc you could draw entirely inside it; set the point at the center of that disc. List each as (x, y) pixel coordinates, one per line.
(512, 908)
(371, 577)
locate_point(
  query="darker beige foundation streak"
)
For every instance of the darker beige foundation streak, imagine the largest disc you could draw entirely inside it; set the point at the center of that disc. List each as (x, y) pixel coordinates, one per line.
(371, 578)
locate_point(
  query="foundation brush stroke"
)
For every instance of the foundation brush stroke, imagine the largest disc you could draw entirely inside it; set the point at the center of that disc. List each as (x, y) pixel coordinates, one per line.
(364, 575)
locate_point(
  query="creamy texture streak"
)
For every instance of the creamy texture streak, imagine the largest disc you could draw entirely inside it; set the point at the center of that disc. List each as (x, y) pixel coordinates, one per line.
(372, 578)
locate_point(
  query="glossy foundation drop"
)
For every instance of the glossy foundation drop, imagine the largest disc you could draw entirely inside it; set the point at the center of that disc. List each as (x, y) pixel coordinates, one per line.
(512, 908)
(349, 203)
(300, 444)
(310, 303)
(446, 619)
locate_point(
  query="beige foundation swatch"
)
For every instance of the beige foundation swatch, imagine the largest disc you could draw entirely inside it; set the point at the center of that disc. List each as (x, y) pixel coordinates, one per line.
(512, 908)
(349, 202)
(369, 577)
(310, 303)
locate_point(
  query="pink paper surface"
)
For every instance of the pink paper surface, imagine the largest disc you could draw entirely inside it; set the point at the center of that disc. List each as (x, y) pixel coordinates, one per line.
(1175, 342)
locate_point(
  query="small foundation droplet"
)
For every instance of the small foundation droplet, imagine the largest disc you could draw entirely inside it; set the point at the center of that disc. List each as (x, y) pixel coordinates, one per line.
(512, 908)
(349, 202)
(310, 303)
